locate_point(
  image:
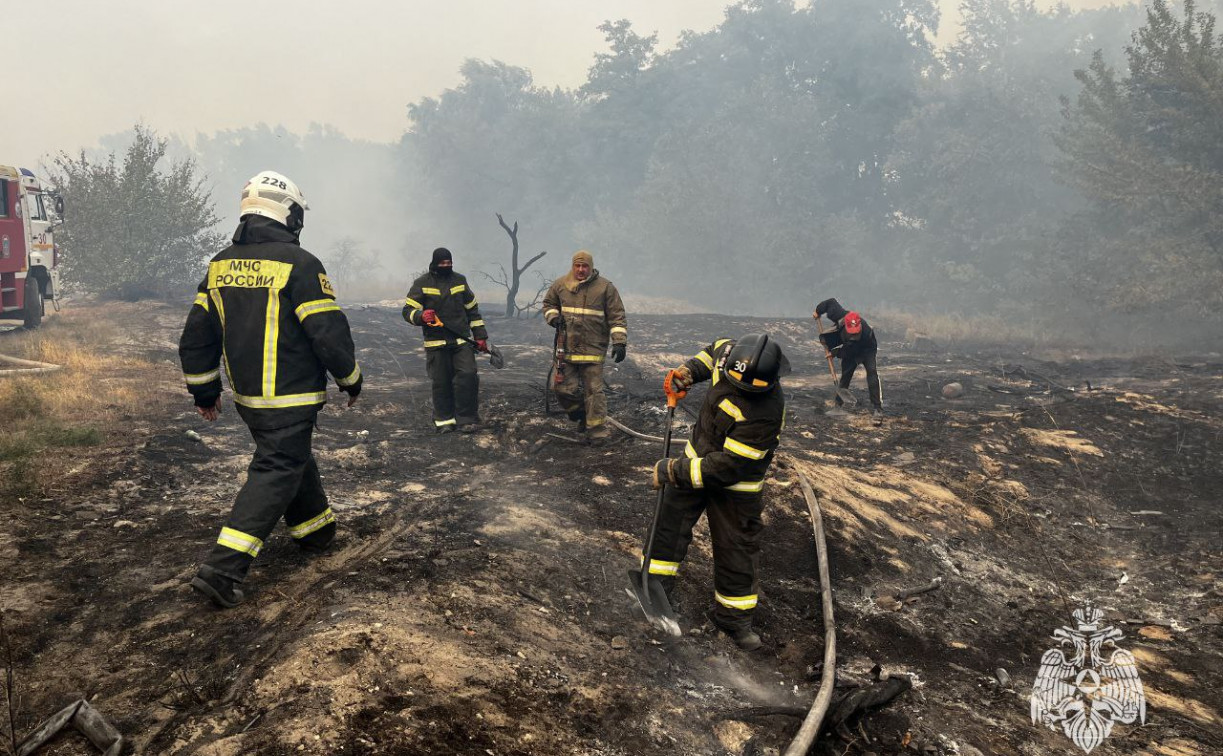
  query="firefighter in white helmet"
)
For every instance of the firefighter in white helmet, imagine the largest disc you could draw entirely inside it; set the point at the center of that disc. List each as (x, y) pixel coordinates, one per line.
(267, 306)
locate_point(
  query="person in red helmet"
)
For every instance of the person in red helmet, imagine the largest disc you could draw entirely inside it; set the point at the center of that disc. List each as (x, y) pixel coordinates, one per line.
(853, 342)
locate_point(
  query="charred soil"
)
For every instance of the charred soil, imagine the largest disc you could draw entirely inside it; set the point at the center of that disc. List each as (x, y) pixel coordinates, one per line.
(474, 602)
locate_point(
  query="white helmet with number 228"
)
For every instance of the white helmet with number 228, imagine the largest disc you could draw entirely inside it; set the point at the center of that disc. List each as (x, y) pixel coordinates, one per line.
(274, 195)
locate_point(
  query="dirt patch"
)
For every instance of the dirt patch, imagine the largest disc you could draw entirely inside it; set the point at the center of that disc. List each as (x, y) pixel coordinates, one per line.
(473, 603)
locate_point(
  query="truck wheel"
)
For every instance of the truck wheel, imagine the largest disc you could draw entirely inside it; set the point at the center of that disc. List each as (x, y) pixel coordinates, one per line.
(33, 303)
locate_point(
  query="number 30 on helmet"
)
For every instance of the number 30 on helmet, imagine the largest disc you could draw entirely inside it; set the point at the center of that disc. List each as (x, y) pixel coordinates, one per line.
(755, 363)
(274, 196)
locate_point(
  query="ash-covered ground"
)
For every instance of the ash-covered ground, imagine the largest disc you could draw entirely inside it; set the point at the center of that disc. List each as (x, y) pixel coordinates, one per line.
(474, 601)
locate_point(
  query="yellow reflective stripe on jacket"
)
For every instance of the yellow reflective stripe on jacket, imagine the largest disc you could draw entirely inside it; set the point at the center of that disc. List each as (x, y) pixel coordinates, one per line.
(220, 303)
(458, 289)
(440, 423)
(727, 406)
(660, 567)
(694, 472)
(472, 303)
(239, 541)
(413, 303)
(551, 311)
(743, 450)
(271, 335)
(201, 299)
(619, 329)
(431, 290)
(313, 524)
(705, 359)
(736, 602)
(718, 344)
(306, 309)
(747, 486)
(689, 450)
(476, 324)
(581, 311)
(279, 402)
(199, 379)
(584, 357)
(429, 344)
(351, 378)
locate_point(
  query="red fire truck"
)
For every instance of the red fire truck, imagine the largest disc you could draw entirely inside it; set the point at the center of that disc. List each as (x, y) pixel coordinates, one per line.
(29, 259)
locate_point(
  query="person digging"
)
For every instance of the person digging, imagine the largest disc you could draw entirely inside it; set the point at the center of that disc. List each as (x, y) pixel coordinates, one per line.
(853, 342)
(722, 475)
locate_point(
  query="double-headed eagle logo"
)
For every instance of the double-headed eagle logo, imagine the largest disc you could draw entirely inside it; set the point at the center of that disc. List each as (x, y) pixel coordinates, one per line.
(1092, 690)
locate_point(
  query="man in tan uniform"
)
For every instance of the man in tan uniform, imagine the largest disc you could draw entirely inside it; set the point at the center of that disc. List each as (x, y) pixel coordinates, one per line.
(588, 311)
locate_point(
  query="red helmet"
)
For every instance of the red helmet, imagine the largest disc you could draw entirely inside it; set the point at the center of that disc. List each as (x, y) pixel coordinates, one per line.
(853, 323)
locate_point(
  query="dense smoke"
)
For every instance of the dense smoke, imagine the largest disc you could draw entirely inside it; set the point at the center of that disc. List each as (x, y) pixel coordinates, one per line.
(801, 149)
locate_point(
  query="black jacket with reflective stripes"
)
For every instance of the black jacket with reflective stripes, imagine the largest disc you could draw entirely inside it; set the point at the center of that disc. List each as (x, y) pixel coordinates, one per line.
(268, 310)
(737, 432)
(455, 304)
(835, 340)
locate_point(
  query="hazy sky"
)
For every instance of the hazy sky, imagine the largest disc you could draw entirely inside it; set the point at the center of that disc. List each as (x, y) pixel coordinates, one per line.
(186, 67)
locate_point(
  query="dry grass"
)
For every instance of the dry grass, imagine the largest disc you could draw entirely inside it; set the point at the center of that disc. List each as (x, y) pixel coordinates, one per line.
(949, 329)
(68, 408)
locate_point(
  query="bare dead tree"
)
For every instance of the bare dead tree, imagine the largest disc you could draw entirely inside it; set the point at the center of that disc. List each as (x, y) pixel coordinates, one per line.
(536, 302)
(516, 310)
(514, 278)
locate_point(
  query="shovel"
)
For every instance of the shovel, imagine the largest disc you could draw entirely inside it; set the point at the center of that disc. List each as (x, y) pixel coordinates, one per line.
(844, 393)
(495, 358)
(650, 594)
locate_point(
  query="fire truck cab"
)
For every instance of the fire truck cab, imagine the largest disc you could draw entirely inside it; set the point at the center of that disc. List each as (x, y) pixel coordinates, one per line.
(29, 259)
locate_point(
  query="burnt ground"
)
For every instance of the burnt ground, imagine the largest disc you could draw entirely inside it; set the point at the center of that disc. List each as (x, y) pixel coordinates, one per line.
(474, 603)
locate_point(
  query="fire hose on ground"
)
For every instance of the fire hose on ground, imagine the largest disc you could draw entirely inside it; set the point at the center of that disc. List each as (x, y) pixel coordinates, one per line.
(815, 717)
(24, 367)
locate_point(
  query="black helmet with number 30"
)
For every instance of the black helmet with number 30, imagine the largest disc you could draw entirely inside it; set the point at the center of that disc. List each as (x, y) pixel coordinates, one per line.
(755, 363)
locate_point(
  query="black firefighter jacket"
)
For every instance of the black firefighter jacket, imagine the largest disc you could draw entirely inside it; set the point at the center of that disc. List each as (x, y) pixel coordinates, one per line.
(737, 432)
(835, 340)
(455, 304)
(267, 308)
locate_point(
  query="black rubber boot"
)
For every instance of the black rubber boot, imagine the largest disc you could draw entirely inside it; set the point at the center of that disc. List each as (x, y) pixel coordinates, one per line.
(744, 637)
(223, 591)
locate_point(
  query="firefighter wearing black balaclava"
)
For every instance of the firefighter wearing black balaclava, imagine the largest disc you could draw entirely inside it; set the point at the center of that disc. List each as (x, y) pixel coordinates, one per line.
(722, 474)
(267, 309)
(853, 342)
(444, 306)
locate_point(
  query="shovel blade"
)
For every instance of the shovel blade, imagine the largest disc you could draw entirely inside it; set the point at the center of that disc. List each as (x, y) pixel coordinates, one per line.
(847, 396)
(654, 603)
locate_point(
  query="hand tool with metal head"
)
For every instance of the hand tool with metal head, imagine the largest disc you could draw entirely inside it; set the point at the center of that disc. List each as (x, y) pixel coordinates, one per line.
(649, 593)
(845, 394)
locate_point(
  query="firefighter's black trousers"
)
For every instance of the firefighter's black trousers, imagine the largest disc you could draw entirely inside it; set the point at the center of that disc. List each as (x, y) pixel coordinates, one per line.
(282, 481)
(849, 364)
(456, 386)
(734, 528)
